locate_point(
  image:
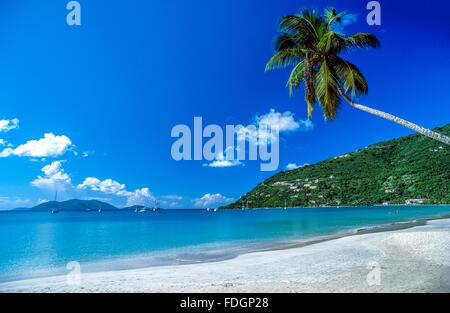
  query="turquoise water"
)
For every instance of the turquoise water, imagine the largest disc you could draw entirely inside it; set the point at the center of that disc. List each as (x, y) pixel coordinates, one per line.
(34, 244)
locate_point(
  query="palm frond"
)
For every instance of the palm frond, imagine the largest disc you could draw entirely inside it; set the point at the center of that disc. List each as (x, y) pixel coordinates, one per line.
(304, 25)
(291, 23)
(296, 77)
(331, 15)
(351, 77)
(284, 58)
(284, 41)
(332, 43)
(363, 40)
(327, 89)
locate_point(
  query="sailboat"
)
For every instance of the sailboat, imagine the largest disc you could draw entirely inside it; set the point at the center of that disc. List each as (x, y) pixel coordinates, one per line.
(55, 210)
(155, 208)
(143, 209)
(100, 210)
(285, 205)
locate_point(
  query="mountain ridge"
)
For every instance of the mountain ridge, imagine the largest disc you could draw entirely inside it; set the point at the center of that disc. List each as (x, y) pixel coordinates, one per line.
(77, 205)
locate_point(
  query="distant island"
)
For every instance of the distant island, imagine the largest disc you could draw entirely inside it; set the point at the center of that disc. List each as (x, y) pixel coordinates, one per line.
(408, 170)
(78, 205)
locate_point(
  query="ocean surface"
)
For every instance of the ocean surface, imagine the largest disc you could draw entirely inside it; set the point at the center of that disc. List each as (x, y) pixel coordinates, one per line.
(39, 244)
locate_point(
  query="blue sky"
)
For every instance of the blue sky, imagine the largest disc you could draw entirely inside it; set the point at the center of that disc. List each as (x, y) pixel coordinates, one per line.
(107, 93)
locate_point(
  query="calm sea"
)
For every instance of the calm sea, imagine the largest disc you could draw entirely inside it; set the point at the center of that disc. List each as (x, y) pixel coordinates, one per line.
(35, 244)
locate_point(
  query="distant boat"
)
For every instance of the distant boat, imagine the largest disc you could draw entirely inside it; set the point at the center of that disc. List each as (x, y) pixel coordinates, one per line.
(143, 209)
(208, 209)
(215, 210)
(55, 210)
(285, 205)
(100, 210)
(157, 209)
(136, 210)
(88, 210)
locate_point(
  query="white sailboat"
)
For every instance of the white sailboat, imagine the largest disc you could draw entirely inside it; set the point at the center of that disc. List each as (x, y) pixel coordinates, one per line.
(55, 210)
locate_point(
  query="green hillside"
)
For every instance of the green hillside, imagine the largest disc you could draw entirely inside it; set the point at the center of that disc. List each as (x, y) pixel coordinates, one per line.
(390, 172)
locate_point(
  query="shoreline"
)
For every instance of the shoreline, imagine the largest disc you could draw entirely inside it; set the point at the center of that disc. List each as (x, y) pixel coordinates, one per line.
(353, 248)
(335, 206)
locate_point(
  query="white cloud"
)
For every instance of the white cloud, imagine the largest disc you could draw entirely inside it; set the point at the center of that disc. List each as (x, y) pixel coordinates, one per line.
(7, 125)
(263, 126)
(172, 197)
(221, 162)
(87, 153)
(2, 142)
(7, 203)
(54, 177)
(109, 186)
(283, 121)
(292, 166)
(138, 197)
(49, 146)
(210, 200)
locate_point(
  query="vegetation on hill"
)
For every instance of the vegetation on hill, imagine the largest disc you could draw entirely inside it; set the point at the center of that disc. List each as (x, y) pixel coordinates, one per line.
(389, 172)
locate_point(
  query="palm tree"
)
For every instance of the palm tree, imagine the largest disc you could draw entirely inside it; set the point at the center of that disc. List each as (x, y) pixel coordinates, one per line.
(312, 45)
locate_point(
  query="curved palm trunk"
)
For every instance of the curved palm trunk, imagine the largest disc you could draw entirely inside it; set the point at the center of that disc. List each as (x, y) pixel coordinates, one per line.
(417, 128)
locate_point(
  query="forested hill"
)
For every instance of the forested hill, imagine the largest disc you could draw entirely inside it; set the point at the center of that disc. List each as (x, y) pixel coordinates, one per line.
(397, 171)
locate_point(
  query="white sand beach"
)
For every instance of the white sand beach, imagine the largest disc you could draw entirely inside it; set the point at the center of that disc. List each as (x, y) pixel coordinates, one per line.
(410, 260)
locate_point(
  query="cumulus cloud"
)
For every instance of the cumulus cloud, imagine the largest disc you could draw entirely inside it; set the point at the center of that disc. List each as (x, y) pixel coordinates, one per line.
(54, 177)
(220, 161)
(2, 142)
(7, 125)
(263, 126)
(293, 166)
(109, 186)
(49, 146)
(139, 197)
(211, 200)
(283, 121)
